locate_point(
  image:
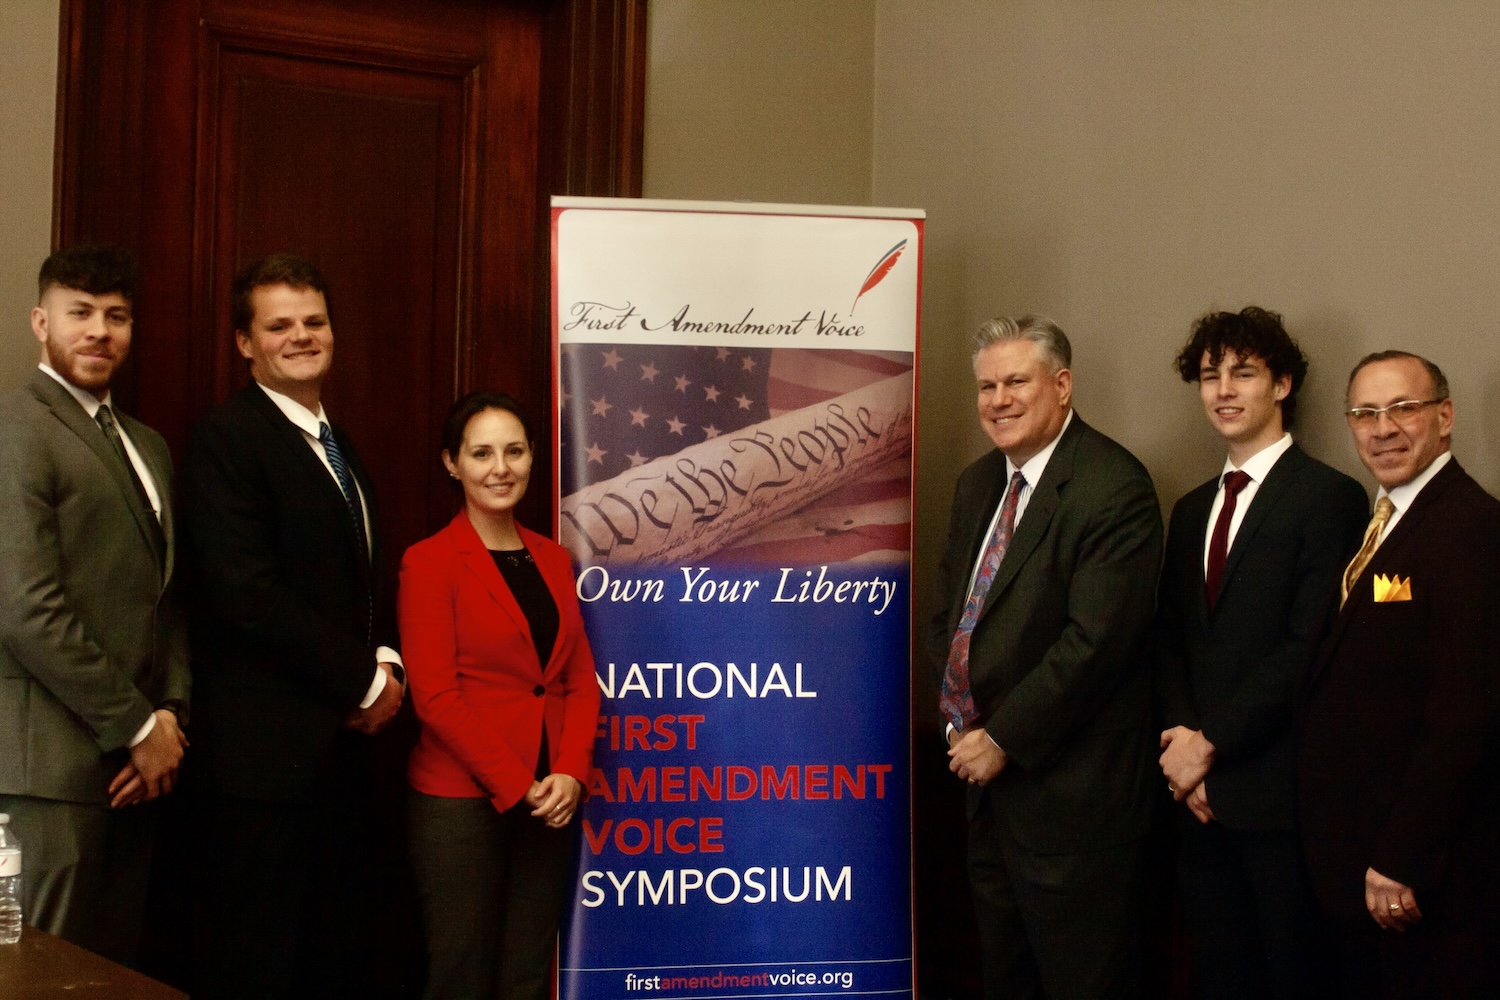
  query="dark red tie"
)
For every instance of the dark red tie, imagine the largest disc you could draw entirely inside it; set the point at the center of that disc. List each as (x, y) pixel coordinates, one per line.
(1218, 545)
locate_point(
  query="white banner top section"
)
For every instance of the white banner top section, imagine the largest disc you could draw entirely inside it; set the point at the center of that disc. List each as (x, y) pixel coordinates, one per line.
(736, 275)
(741, 207)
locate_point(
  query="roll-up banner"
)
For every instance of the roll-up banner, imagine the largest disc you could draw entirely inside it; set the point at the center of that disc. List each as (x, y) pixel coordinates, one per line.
(735, 415)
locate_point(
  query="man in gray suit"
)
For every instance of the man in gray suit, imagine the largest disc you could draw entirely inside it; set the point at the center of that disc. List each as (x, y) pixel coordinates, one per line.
(93, 650)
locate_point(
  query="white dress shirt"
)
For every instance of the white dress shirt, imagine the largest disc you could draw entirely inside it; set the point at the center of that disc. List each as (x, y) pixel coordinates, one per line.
(91, 404)
(307, 422)
(1403, 495)
(1031, 473)
(1257, 467)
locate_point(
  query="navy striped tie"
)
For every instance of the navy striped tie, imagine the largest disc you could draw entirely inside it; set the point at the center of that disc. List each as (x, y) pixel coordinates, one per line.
(351, 501)
(346, 483)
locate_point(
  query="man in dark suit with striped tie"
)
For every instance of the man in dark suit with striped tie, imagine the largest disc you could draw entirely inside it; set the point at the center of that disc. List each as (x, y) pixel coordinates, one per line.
(296, 647)
(1044, 598)
(93, 645)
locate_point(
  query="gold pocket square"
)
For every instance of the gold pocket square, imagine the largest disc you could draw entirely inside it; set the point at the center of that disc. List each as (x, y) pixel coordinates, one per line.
(1393, 589)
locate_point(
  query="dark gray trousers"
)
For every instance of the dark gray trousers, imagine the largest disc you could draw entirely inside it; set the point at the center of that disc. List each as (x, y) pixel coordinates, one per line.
(85, 870)
(1251, 915)
(1060, 926)
(492, 888)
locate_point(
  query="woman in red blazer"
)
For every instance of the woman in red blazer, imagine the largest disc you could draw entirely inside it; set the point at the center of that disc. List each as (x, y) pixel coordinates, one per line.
(503, 683)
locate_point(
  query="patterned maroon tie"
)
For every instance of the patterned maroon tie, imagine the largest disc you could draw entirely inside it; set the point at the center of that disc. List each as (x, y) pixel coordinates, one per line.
(1218, 545)
(957, 700)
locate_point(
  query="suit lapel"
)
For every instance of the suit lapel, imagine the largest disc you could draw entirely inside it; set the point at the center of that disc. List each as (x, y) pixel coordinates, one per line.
(477, 559)
(980, 524)
(1267, 495)
(1038, 516)
(555, 573)
(367, 492)
(1199, 504)
(1405, 532)
(1363, 593)
(303, 457)
(161, 476)
(72, 415)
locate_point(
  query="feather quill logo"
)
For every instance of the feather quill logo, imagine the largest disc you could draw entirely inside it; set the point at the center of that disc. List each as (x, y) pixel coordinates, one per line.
(879, 271)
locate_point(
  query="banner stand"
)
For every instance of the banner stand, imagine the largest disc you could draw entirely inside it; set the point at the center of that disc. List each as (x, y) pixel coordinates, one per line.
(734, 425)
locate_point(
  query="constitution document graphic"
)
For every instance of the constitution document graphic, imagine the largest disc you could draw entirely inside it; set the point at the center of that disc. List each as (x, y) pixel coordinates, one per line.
(734, 426)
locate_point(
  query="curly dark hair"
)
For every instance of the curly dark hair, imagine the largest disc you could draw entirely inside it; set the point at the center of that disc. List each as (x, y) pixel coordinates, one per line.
(91, 268)
(1251, 332)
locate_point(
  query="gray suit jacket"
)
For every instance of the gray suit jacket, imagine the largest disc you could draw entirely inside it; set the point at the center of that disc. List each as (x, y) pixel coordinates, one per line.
(91, 639)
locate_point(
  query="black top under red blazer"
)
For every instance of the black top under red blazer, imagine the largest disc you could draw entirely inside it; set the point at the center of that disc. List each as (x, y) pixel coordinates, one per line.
(481, 694)
(284, 637)
(1233, 671)
(1400, 748)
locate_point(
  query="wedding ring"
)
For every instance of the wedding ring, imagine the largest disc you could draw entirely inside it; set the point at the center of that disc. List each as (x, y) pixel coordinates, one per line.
(1395, 907)
(1171, 788)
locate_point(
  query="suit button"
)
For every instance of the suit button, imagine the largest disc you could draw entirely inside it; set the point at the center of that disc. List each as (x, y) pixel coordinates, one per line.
(538, 690)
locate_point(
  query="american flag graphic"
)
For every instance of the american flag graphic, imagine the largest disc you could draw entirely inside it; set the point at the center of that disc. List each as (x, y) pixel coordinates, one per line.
(625, 405)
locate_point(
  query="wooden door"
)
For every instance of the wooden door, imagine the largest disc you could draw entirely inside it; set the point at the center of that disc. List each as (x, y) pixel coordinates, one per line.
(406, 146)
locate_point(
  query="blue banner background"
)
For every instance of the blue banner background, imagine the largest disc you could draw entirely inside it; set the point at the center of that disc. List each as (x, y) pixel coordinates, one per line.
(855, 661)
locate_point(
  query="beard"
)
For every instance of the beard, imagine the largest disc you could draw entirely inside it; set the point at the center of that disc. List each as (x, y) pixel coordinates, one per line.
(86, 373)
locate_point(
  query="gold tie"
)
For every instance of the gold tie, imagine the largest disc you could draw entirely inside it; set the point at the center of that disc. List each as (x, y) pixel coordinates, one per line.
(1383, 511)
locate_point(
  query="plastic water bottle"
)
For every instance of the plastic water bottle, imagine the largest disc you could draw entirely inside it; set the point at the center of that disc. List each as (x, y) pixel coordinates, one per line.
(10, 883)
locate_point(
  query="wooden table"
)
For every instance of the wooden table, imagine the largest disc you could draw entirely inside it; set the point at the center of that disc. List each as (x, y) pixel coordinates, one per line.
(43, 966)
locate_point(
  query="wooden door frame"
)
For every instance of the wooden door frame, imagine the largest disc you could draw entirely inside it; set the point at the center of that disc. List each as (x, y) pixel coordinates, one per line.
(592, 109)
(589, 135)
(119, 58)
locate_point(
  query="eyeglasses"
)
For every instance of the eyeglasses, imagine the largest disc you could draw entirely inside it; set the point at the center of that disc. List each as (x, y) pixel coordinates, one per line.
(1398, 412)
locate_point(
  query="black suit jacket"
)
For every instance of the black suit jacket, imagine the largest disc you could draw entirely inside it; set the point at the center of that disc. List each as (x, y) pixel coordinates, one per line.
(283, 635)
(1058, 662)
(1399, 733)
(1233, 671)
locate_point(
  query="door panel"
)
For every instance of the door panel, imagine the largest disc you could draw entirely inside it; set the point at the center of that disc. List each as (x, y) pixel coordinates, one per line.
(408, 147)
(360, 169)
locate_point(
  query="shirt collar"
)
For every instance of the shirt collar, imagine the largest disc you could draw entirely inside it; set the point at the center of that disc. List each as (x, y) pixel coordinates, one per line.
(1037, 464)
(1258, 466)
(86, 399)
(305, 420)
(1403, 495)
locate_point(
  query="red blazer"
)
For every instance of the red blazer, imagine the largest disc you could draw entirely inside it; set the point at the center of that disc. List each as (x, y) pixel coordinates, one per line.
(480, 692)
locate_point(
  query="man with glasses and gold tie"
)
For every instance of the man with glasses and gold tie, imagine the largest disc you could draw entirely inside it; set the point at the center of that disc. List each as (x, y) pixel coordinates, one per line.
(1400, 744)
(93, 647)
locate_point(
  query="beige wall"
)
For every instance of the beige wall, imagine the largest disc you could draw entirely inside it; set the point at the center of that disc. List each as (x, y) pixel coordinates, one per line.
(28, 79)
(1124, 167)
(761, 100)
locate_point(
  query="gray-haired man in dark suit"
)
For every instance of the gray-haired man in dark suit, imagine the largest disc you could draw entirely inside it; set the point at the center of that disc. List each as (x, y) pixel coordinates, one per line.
(1045, 595)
